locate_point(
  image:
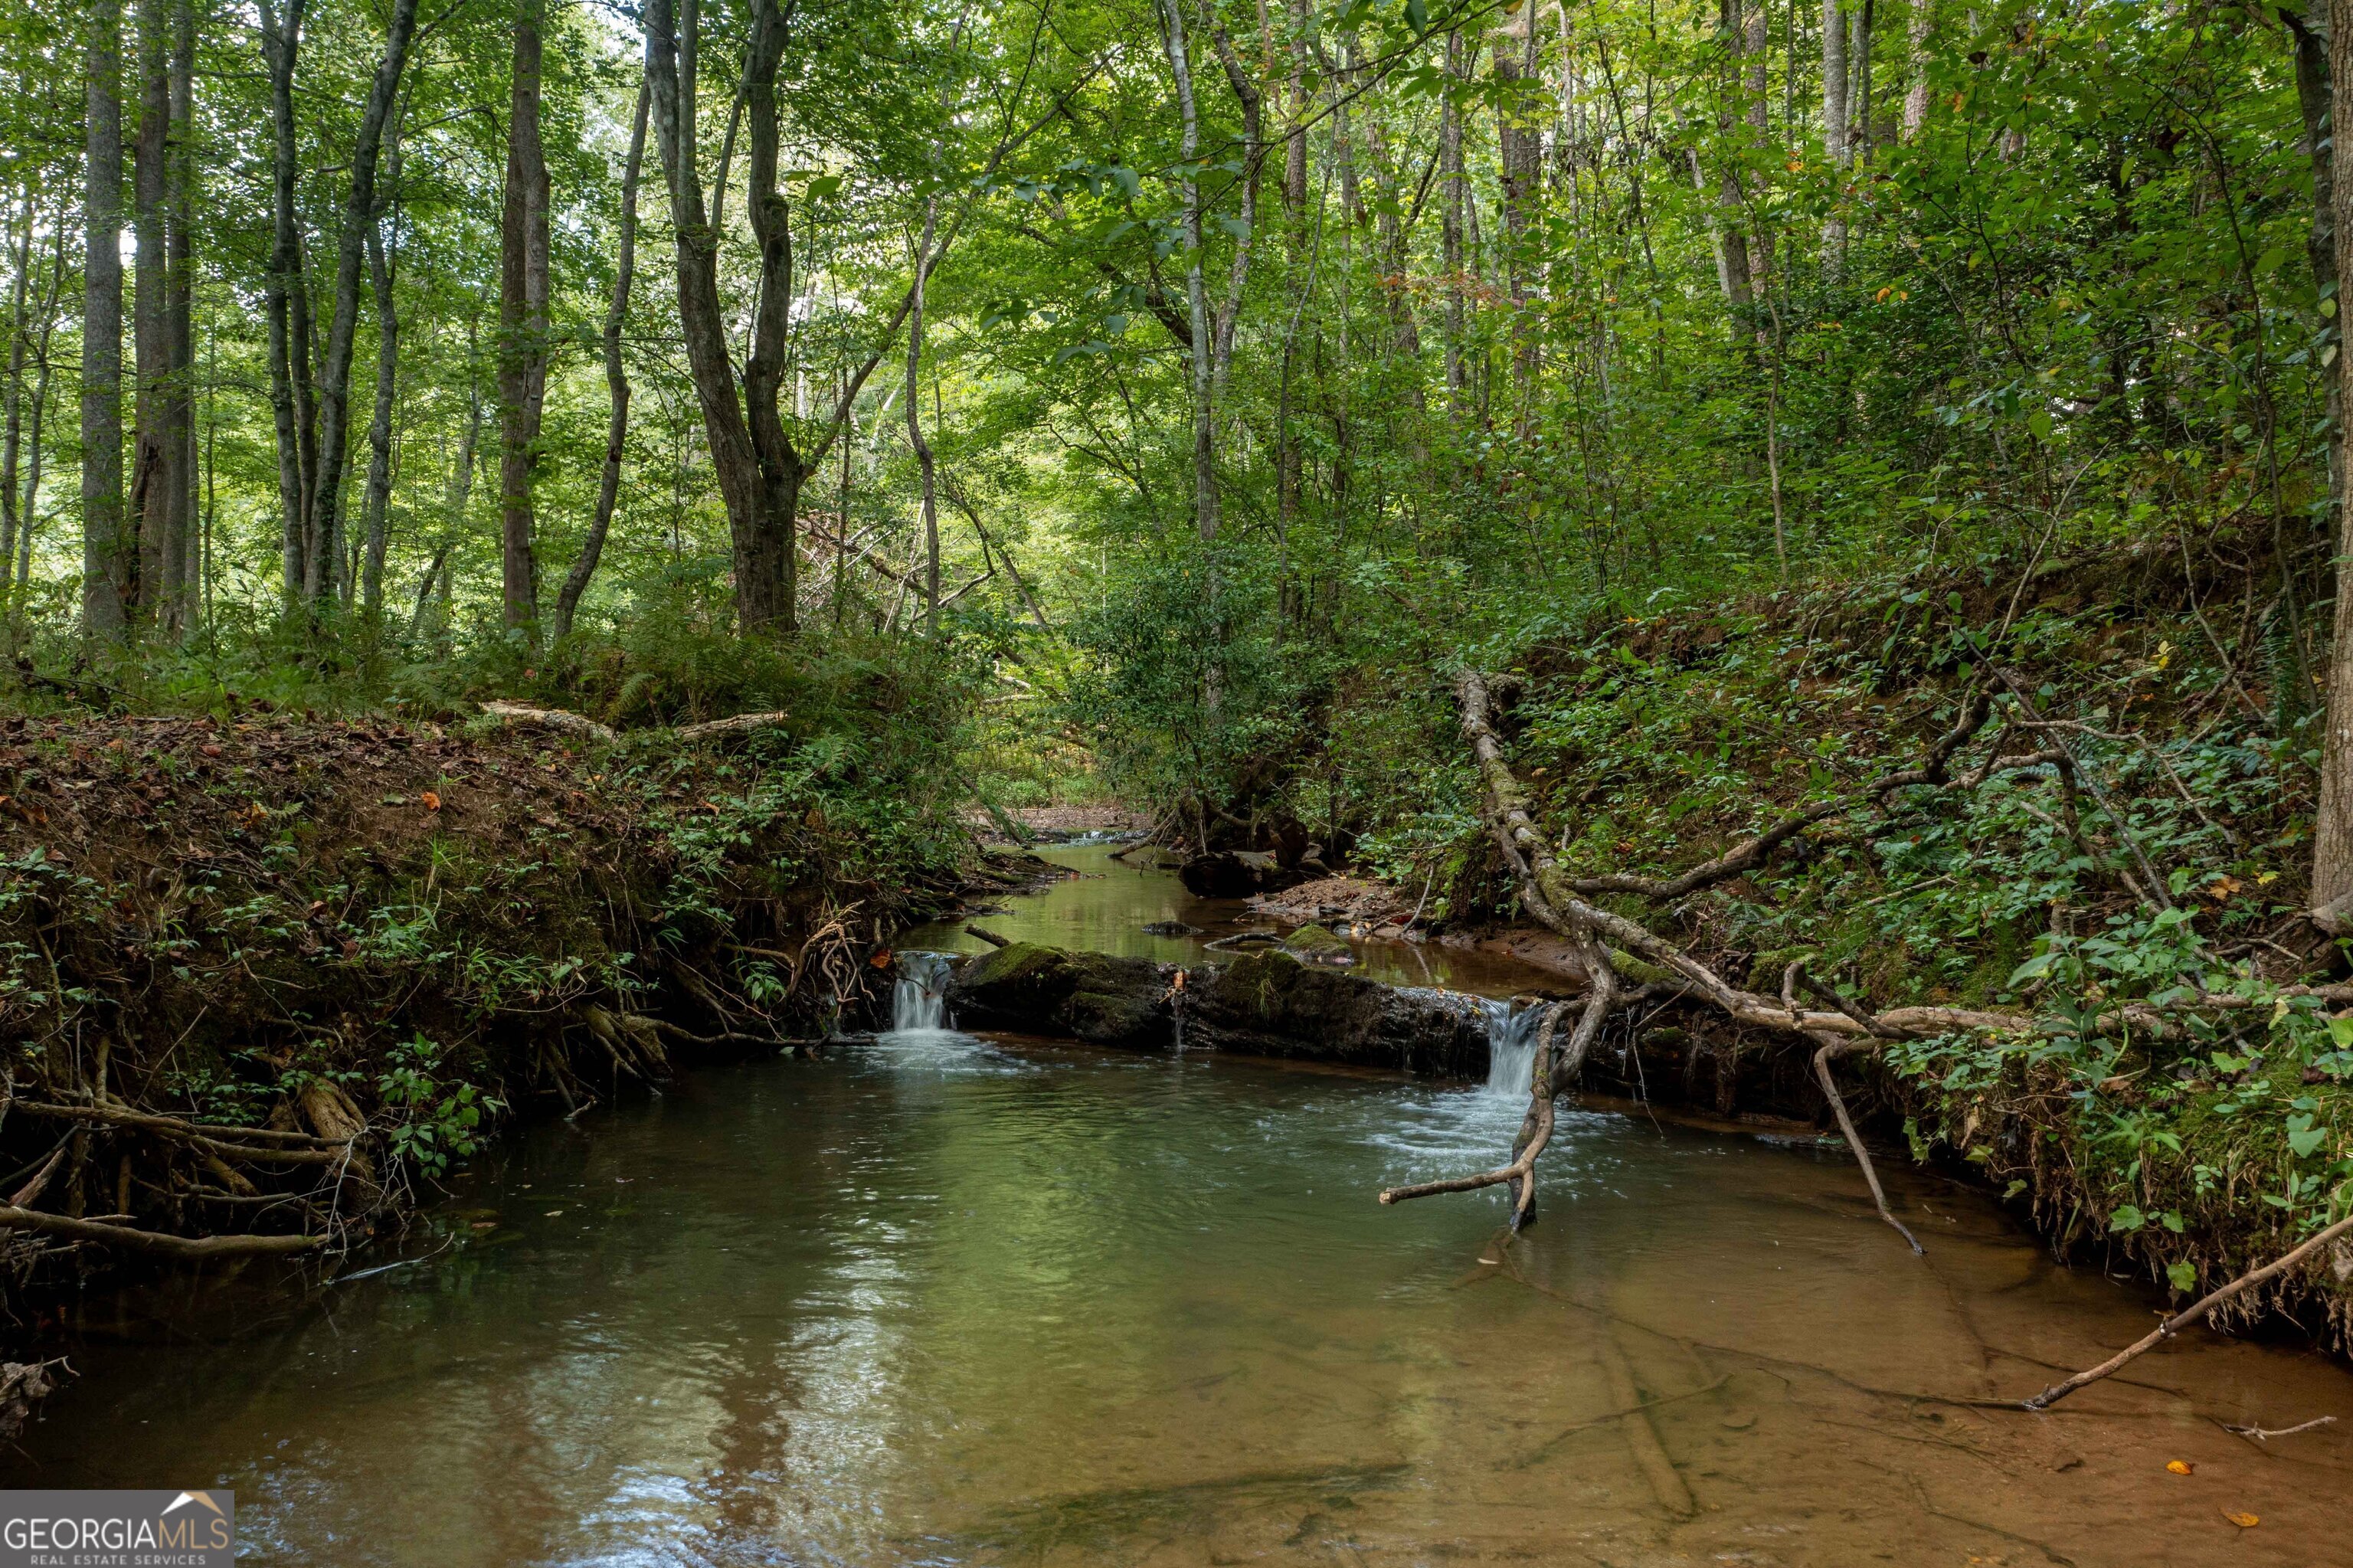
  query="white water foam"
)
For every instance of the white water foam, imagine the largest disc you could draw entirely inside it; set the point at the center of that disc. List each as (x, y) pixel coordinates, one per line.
(919, 1001)
(1511, 1048)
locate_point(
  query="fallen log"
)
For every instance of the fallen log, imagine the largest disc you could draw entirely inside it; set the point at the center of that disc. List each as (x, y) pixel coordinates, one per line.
(523, 715)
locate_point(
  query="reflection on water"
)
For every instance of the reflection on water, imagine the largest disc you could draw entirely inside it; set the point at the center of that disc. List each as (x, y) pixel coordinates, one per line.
(941, 1301)
(1106, 906)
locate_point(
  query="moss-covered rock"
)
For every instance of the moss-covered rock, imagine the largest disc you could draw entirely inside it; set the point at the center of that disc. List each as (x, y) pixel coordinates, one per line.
(1270, 1004)
(1033, 990)
(1318, 944)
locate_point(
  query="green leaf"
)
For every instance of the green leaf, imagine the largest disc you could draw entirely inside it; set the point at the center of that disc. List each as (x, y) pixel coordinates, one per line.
(823, 187)
(2183, 1275)
(2128, 1218)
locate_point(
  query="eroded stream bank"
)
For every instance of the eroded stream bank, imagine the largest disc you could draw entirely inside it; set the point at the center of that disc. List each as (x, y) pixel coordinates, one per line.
(945, 1300)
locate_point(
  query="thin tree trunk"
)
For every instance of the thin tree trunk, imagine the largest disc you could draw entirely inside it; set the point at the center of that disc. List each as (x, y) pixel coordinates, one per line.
(325, 544)
(1835, 147)
(2332, 837)
(11, 418)
(286, 302)
(177, 610)
(1920, 31)
(522, 323)
(1450, 158)
(384, 259)
(1858, 92)
(109, 550)
(1203, 351)
(924, 464)
(616, 384)
(1295, 204)
(2313, 97)
(1246, 95)
(1758, 44)
(150, 445)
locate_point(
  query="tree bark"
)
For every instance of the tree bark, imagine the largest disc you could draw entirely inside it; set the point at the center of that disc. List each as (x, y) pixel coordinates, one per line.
(522, 323)
(1450, 159)
(151, 444)
(324, 547)
(384, 259)
(616, 382)
(287, 304)
(1203, 352)
(1835, 147)
(1920, 31)
(926, 468)
(12, 414)
(176, 610)
(2332, 837)
(110, 549)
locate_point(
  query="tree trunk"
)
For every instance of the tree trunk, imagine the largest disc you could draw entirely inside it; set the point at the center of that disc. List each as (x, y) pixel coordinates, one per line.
(616, 384)
(1733, 272)
(2314, 96)
(109, 550)
(1246, 94)
(2332, 837)
(286, 302)
(1521, 153)
(1858, 90)
(12, 411)
(1203, 351)
(1449, 160)
(176, 610)
(1920, 31)
(324, 547)
(151, 444)
(1757, 44)
(1295, 204)
(384, 258)
(924, 464)
(522, 323)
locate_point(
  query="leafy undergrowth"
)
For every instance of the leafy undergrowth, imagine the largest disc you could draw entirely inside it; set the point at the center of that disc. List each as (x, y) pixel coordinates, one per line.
(2180, 864)
(299, 928)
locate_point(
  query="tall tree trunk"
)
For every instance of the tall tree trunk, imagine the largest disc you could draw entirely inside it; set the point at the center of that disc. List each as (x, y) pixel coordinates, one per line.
(12, 410)
(2332, 836)
(1520, 150)
(1835, 147)
(1733, 272)
(766, 556)
(1449, 160)
(109, 549)
(2313, 97)
(177, 611)
(522, 323)
(287, 303)
(1294, 207)
(1758, 44)
(1246, 94)
(459, 494)
(150, 445)
(925, 467)
(326, 542)
(1203, 351)
(616, 384)
(1919, 33)
(1858, 90)
(383, 259)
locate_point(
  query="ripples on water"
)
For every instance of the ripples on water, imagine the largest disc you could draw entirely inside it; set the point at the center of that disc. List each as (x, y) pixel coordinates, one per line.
(946, 1301)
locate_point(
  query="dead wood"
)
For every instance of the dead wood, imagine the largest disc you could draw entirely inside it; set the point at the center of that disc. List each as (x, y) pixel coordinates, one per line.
(710, 729)
(523, 715)
(1832, 1046)
(2195, 1312)
(986, 935)
(14, 1218)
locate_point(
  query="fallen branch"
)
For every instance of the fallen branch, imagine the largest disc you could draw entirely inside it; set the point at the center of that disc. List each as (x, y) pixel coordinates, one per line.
(2195, 1312)
(2262, 1434)
(14, 1218)
(710, 729)
(986, 935)
(1833, 1046)
(523, 715)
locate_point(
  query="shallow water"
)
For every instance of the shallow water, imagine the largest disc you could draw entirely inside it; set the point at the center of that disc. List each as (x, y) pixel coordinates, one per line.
(940, 1301)
(1105, 904)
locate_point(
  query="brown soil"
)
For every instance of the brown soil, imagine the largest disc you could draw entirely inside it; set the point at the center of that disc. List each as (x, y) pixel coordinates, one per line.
(1344, 899)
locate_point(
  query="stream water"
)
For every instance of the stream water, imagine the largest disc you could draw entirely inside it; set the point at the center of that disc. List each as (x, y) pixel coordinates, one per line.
(944, 1300)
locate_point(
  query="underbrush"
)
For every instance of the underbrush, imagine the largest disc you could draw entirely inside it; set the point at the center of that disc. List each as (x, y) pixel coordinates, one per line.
(2166, 855)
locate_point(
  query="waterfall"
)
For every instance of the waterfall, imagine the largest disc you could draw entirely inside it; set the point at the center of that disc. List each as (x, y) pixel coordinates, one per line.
(1511, 1048)
(919, 1000)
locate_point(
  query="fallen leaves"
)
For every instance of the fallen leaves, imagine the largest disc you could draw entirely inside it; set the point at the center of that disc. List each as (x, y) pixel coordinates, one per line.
(2180, 1467)
(432, 801)
(2243, 1520)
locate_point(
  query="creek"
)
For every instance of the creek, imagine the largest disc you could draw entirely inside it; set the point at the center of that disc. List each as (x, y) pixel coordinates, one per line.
(943, 1300)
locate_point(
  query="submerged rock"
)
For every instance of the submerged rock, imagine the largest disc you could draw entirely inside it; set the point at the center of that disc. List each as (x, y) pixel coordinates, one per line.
(1170, 928)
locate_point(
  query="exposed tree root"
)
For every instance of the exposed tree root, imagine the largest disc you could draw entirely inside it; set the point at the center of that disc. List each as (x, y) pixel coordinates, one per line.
(155, 1242)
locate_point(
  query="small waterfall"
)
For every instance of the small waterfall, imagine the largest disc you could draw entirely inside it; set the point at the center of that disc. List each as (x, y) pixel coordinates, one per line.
(1511, 1048)
(919, 1001)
